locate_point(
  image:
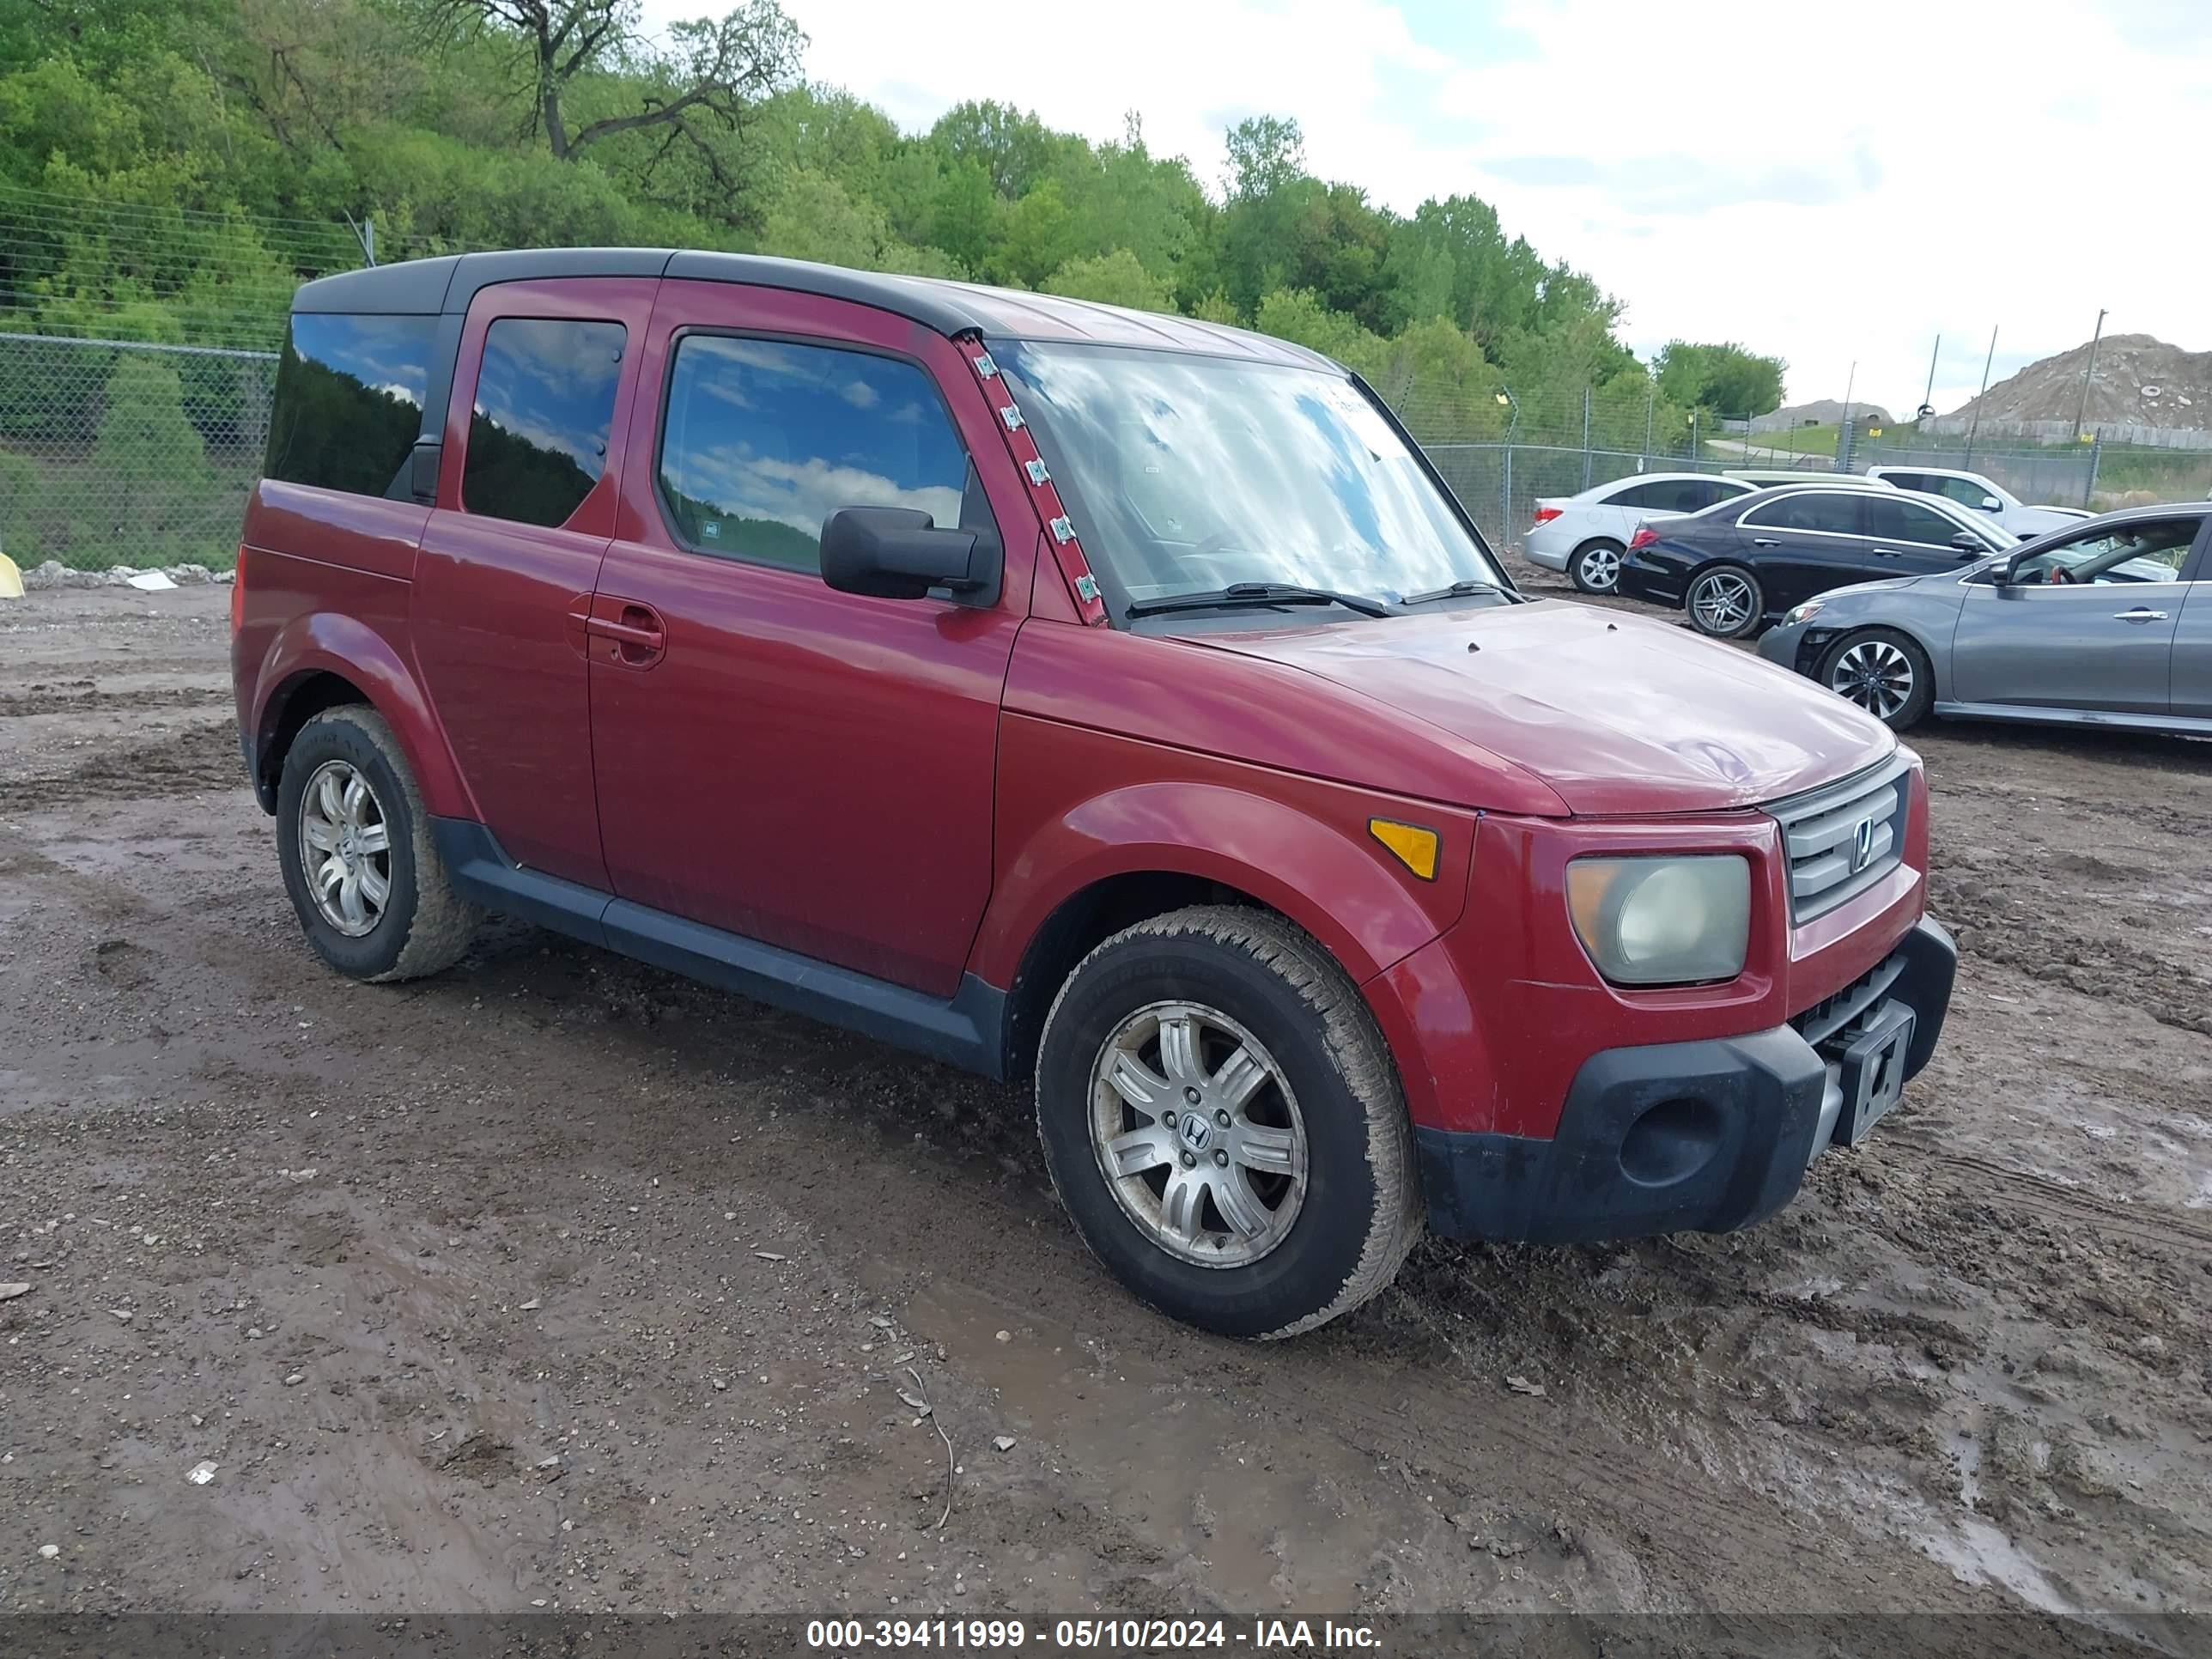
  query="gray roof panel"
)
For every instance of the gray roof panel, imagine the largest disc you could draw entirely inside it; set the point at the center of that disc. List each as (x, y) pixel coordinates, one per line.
(418, 287)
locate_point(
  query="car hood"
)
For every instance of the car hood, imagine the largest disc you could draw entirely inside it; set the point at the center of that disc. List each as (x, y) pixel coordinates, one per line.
(1618, 714)
(1888, 582)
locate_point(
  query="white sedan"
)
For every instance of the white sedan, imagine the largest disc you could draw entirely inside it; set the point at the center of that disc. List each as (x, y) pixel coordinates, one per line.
(1585, 535)
(1982, 494)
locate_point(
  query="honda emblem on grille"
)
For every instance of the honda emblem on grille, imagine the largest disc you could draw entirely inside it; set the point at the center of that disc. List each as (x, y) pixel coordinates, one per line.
(1863, 845)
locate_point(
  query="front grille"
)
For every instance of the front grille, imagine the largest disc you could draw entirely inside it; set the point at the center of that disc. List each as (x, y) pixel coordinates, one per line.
(1843, 838)
(1832, 1014)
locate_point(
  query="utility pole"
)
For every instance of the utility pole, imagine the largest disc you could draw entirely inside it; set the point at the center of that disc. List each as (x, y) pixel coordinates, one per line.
(1650, 396)
(1975, 426)
(2082, 410)
(1586, 448)
(1505, 489)
(1928, 398)
(1843, 461)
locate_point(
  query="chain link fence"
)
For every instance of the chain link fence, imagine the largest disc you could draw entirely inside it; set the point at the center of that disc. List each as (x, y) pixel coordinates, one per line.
(122, 452)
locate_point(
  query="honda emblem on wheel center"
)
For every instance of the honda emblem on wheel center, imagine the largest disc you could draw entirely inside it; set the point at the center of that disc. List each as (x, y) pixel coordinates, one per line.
(1195, 1130)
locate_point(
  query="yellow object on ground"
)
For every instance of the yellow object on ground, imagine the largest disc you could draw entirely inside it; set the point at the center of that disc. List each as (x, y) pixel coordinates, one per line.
(11, 579)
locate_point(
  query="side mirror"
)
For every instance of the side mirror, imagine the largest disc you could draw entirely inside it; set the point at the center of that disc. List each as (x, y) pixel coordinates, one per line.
(1970, 546)
(899, 553)
(1991, 504)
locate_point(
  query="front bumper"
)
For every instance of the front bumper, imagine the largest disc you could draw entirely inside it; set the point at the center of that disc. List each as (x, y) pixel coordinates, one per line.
(1794, 646)
(1694, 1137)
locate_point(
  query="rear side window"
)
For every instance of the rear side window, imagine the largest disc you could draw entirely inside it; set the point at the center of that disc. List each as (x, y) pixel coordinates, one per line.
(1668, 496)
(1836, 513)
(544, 404)
(349, 404)
(1906, 480)
(1894, 519)
(763, 440)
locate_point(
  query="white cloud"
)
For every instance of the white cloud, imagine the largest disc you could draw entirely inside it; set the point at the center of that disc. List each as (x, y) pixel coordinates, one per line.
(741, 484)
(1834, 188)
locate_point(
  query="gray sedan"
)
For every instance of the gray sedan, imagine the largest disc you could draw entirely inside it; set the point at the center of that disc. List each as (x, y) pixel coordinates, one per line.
(2106, 623)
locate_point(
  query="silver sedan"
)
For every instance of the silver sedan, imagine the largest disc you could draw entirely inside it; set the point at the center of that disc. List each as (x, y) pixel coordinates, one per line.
(2106, 623)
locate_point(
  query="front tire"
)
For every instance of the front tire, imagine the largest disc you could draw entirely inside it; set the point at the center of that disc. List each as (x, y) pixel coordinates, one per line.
(1222, 1121)
(1596, 566)
(1725, 602)
(1884, 672)
(364, 875)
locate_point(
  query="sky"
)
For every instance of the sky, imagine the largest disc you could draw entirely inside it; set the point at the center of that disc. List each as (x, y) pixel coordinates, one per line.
(1834, 186)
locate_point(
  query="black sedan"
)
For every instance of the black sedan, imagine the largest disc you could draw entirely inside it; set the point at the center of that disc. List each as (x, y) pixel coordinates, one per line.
(1745, 562)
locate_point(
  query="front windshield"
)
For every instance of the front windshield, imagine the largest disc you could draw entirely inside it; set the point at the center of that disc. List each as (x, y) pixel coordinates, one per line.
(1185, 474)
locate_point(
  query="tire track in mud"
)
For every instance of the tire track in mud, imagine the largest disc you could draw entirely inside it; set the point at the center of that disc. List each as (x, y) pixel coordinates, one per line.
(2028, 1191)
(41, 699)
(1489, 1447)
(187, 762)
(2045, 947)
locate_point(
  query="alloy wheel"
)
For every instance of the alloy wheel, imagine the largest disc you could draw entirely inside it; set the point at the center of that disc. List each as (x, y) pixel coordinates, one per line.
(345, 848)
(1722, 603)
(1198, 1135)
(1875, 675)
(1600, 570)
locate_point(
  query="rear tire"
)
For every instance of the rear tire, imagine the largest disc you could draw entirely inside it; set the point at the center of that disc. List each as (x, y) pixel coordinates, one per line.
(1884, 672)
(1725, 602)
(373, 895)
(1229, 1071)
(1594, 566)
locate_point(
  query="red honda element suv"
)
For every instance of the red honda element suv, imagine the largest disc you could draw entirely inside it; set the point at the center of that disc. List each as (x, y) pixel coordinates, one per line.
(1070, 693)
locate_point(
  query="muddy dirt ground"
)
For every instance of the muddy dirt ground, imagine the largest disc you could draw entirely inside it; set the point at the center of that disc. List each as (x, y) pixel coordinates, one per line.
(558, 1282)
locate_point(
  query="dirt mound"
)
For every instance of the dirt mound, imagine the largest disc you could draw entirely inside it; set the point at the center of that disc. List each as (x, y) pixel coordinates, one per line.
(2140, 382)
(1821, 411)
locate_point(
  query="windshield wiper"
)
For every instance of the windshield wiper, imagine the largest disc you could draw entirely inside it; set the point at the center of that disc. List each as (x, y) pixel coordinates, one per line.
(1258, 593)
(1460, 590)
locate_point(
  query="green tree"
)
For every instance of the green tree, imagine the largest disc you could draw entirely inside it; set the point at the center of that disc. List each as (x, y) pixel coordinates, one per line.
(1013, 148)
(967, 218)
(21, 489)
(1298, 314)
(1039, 237)
(1121, 196)
(1217, 307)
(148, 495)
(711, 73)
(1437, 377)
(1725, 379)
(171, 168)
(1267, 154)
(1115, 279)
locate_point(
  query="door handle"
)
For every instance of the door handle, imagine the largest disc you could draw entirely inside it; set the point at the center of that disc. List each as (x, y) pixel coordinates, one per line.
(1765, 541)
(637, 637)
(1888, 553)
(2140, 614)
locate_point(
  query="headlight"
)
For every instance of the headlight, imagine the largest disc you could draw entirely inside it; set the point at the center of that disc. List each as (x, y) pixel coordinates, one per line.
(1804, 612)
(1662, 921)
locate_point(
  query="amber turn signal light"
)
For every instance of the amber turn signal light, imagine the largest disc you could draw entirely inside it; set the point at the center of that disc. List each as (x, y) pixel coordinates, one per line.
(1415, 847)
